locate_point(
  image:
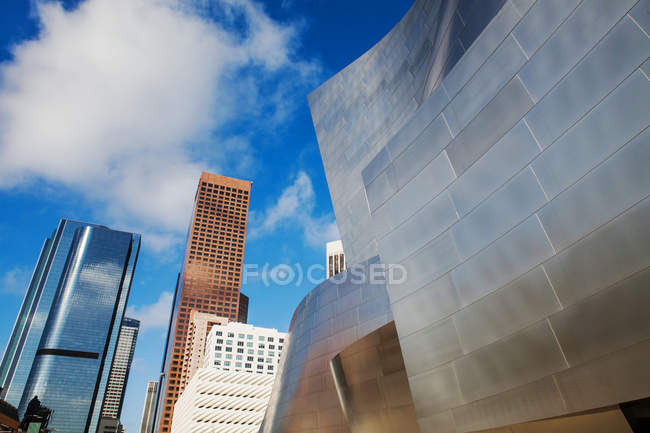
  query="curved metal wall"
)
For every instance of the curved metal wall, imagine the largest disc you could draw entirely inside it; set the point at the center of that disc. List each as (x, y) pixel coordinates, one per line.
(332, 316)
(504, 163)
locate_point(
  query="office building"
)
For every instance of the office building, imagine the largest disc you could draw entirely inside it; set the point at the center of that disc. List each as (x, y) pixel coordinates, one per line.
(65, 336)
(335, 261)
(210, 280)
(232, 389)
(147, 421)
(498, 152)
(197, 334)
(119, 376)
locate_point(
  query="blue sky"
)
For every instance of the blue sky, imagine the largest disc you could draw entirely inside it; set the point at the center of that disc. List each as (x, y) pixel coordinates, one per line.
(110, 109)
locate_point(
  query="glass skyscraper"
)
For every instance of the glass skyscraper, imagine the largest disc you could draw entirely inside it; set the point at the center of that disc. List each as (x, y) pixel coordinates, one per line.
(63, 342)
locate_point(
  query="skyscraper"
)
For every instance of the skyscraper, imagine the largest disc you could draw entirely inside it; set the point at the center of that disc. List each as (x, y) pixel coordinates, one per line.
(149, 407)
(210, 280)
(64, 338)
(120, 369)
(335, 261)
(231, 390)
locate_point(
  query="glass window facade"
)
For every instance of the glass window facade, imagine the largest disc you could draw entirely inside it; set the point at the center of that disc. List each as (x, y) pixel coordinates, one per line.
(63, 346)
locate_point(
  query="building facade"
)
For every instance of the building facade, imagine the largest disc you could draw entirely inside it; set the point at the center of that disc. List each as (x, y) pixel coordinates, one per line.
(497, 151)
(147, 421)
(335, 258)
(119, 376)
(210, 280)
(230, 392)
(197, 335)
(65, 336)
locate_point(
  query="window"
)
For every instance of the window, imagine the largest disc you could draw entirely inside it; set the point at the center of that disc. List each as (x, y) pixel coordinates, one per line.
(229, 342)
(270, 339)
(281, 340)
(270, 367)
(249, 344)
(261, 338)
(260, 367)
(247, 365)
(251, 351)
(271, 353)
(261, 346)
(249, 337)
(271, 346)
(219, 333)
(250, 358)
(217, 355)
(269, 360)
(219, 341)
(241, 336)
(228, 356)
(260, 352)
(228, 349)
(217, 347)
(226, 363)
(239, 357)
(231, 334)
(260, 359)
(240, 343)
(240, 350)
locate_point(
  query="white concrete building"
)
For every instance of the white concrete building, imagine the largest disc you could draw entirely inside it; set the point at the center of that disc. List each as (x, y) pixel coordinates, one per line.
(335, 260)
(229, 394)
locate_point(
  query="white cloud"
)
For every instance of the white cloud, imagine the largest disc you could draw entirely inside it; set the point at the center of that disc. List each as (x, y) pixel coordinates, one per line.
(296, 205)
(153, 316)
(121, 101)
(15, 281)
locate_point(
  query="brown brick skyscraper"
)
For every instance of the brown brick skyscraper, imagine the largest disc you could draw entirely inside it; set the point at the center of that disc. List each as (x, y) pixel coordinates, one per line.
(210, 281)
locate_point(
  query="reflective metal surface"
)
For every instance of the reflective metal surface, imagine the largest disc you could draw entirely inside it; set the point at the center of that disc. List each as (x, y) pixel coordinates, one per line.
(498, 152)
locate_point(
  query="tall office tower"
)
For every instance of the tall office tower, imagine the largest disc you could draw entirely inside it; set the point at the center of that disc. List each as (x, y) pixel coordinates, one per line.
(146, 424)
(197, 334)
(65, 336)
(232, 389)
(148, 410)
(210, 281)
(120, 370)
(335, 258)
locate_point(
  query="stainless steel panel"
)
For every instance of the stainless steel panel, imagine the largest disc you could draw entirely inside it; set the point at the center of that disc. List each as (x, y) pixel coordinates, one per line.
(374, 308)
(541, 21)
(615, 378)
(519, 304)
(501, 114)
(481, 49)
(422, 150)
(608, 190)
(430, 347)
(641, 14)
(614, 318)
(435, 391)
(433, 178)
(523, 6)
(595, 76)
(511, 204)
(502, 161)
(376, 166)
(427, 305)
(575, 37)
(442, 422)
(520, 250)
(380, 189)
(529, 355)
(646, 68)
(537, 400)
(616, 120)
(497, 70)
(606, 256)
(427, 223)
(432, 261)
